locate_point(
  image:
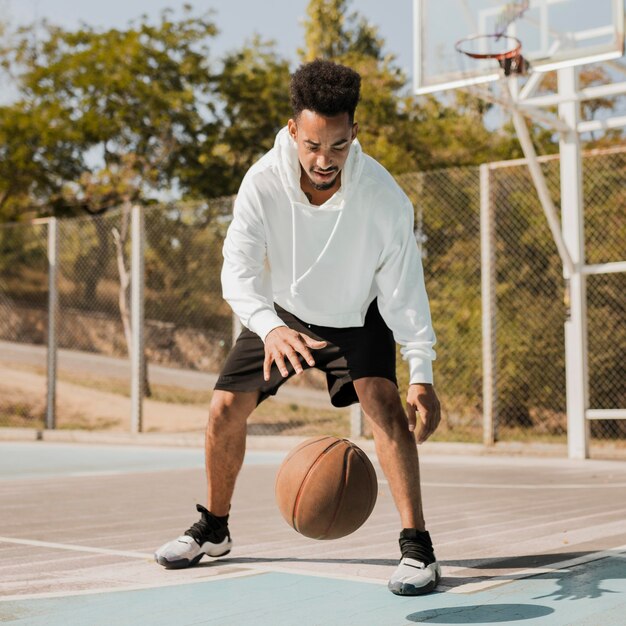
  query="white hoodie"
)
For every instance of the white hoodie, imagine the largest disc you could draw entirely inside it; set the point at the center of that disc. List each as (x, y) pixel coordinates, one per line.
(325, 264)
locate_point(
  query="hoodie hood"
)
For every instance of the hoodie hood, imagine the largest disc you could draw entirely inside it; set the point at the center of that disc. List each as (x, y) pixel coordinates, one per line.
(289, 171)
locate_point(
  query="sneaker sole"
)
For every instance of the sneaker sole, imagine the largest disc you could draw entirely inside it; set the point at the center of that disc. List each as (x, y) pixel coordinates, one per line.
(406, 589)
(185, 563)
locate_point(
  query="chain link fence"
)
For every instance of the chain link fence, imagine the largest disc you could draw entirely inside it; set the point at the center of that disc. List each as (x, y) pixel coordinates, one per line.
(531, 306)
(605, 227)
(189, 328)
(447, 228)
(23, 321)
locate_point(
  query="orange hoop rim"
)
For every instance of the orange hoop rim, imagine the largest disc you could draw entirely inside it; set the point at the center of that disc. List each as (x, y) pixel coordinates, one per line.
(513, 52)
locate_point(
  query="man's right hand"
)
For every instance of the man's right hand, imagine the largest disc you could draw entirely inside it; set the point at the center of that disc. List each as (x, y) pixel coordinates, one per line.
(283, 342)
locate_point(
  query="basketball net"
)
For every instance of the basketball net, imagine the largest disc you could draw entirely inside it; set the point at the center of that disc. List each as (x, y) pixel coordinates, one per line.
(506, 51)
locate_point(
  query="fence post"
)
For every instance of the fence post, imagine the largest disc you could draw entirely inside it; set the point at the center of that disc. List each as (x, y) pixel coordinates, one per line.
(488, 300)
(53, 303)
(236, 328)
(137, 318)
(572, 224)
(356, 421)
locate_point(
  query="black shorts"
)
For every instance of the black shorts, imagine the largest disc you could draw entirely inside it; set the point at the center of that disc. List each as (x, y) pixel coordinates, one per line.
(351, 353)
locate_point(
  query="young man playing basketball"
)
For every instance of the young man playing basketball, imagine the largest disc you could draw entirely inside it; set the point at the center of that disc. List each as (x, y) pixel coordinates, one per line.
(322, 268)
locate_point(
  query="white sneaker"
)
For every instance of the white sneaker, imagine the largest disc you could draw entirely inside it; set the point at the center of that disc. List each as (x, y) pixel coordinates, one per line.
(186, 552)
(413, 578)
(208, 536)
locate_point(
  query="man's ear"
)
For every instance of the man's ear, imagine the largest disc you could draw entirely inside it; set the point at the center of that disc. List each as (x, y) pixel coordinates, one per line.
(355, 130)
(292, 127)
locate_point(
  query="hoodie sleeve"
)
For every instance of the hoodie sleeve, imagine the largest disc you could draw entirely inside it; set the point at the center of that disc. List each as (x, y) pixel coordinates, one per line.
(402, 298)
(246, 281)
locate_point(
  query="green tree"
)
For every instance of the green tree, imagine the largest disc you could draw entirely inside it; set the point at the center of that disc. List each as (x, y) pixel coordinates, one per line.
(253, 91)
(37, 157)
(138, 99)
(330, 32)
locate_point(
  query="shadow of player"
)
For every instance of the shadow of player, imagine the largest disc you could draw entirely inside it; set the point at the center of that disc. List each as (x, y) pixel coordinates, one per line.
(481, 614)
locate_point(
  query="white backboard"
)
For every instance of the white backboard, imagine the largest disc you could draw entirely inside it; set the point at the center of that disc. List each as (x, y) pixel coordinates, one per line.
(554, 34)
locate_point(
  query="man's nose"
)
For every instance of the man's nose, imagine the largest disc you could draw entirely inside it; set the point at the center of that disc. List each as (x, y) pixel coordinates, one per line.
(324, 161)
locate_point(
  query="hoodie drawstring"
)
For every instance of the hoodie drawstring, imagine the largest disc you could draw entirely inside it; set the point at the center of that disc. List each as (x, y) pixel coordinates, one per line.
(294, 281)
(293, 288)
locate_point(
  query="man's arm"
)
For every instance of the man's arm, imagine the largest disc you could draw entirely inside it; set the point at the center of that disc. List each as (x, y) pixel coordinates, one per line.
(246, 280)
(403, 304)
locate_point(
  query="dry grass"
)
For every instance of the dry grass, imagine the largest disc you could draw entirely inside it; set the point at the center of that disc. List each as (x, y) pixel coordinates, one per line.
(90, 403)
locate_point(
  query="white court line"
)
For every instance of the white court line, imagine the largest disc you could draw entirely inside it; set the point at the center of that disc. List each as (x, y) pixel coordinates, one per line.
(280, 548)
(514, 486)
(141, 555)
(95, 473)
(86, 592)
(252, 569)
(267, 569)
(76, 548)
(496, 581)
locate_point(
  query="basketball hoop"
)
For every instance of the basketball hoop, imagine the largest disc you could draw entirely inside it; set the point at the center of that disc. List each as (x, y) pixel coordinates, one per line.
(506, 50)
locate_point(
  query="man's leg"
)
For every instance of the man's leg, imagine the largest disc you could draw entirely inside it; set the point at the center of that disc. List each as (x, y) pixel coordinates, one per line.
(225, 449)
(225, 445)
(418, 571)
(395, 446)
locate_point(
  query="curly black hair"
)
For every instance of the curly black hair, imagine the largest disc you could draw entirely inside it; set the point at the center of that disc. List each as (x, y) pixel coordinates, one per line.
(326, 88)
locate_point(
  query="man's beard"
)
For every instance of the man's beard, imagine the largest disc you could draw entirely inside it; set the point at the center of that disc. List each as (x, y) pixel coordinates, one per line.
(323, 186)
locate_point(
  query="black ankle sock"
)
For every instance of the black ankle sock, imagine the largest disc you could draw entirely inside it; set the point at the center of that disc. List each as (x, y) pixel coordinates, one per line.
(208, 527)
(416, 544)
(207, 515)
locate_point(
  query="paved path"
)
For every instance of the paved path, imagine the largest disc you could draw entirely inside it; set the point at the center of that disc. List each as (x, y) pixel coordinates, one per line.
(110, 367)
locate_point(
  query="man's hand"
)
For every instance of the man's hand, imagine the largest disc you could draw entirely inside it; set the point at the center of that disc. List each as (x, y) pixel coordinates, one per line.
(284, 342)
(422, 399)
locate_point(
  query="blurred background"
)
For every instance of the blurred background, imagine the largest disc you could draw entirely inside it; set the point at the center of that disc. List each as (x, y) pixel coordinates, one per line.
(165, 106)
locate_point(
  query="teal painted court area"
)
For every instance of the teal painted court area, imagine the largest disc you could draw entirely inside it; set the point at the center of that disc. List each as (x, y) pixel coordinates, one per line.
(521, 540)
(590, 595)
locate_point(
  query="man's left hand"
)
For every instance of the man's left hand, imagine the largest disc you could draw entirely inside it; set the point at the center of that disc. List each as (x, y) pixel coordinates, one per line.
(422, 400)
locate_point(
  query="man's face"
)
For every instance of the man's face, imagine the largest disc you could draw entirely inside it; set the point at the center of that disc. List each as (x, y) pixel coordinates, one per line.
(323, 146)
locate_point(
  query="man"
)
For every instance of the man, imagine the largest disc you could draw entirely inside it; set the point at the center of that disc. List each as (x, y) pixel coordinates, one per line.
(321, 266)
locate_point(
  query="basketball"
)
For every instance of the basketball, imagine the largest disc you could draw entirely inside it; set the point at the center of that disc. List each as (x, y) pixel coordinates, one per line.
(326, 488)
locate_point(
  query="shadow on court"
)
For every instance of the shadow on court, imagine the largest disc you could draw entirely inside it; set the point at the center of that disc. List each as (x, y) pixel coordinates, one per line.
(481, 614)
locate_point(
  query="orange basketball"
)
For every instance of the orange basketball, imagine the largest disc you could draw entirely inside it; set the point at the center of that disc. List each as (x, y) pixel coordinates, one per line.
(326, 488)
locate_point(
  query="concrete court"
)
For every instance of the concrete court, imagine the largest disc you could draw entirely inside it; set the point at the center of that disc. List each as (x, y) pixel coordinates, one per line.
(520, 539)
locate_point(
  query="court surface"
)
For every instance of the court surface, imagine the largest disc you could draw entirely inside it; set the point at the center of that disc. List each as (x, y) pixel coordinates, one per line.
(520, 539)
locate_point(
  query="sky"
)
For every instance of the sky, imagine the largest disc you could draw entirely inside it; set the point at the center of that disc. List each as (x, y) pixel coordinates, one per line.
(237, 20)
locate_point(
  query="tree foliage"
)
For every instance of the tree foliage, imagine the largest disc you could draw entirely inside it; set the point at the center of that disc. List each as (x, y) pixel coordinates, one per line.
(252, 89)
(133, 101)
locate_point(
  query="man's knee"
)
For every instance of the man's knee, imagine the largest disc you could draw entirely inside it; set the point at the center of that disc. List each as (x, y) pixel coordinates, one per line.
(229, 407)
(381, 402)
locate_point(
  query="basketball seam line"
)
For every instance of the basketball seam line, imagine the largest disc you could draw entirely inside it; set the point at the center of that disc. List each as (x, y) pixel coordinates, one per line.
(343, 489)
(310, 443)
(304, 480)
